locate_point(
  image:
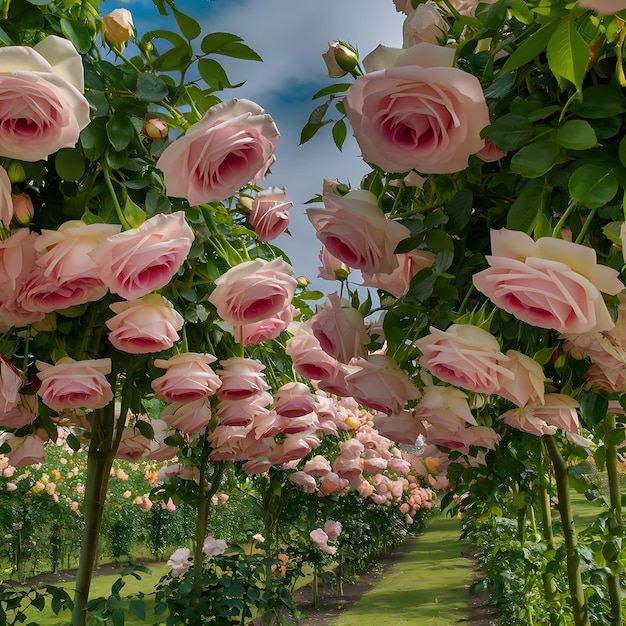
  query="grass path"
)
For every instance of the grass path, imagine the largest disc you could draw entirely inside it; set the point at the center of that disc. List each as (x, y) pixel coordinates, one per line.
(428, 587)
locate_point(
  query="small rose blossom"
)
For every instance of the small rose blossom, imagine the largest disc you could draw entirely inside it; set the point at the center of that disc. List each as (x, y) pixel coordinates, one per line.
(309, 360)
(446, 406)
(403, 6)
(144, 325)
(490, 153)
(241, 379)
(231, 146)
(332, 529)
(603, 7)
(214, 547)
(23, 209)
(73, 384)
(133, 445)
(331, 267)
(550, 283)
(269, 215)
(10, 384)
(424, 24)
(28, 450)
(421, 114)
(294, 400)
(180, 561)
(340, 58)
(403, 427)
(118, 26)
(188, 377)
(138, 261)
(259, 538)
(253, 291)
(355, 230)
(466, 356)
(527, 384)
(340, 329)
(155, 128)
(43, 107)
(265, 329)
(22, 414)
(187, 417)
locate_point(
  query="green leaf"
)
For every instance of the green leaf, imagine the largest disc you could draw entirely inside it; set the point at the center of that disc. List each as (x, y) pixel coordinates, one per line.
(592, 186)
(568, 53)
(308, 131)
(459, 210)
(536, 159)
(598, 102)
(151, 88)
(331, 89)
(137, 608)
(615, 437)
(622, 151)
(214, 75)
(77, 34)
(73, 442)
(120, 131)
(339, 132)
(511, 132)
(523, 212)
(593, 408)
(529, 49)
(228, 44)
(69, 164)
(188, 26)
(145, 428)
(576, 135)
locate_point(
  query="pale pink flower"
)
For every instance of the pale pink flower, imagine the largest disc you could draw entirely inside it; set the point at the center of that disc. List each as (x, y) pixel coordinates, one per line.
(398, 282)
(133, 445)
(527, 385)
(265, 329)
(424, 24)
(22, 414)
(320, 538)
(73, 384)
(269, 215)
(317, 466)
(140, 260)
(10, 384)
(144, 325)
(253, 291)
(354, 229)
(231, 146)
(180, 561)
(490, 153)
(332, 529)
(550, 283)
(467, 356)
(188, 377)
(294, 400)
(403, 427)
(28, 450)
(213, 547)
(6, 199)
(604, 7)
(259, 538)
(241, 378)
(421, 114)
(187, 417)
(446, 406)
(43, 108)
(331, 267)
(309, 360)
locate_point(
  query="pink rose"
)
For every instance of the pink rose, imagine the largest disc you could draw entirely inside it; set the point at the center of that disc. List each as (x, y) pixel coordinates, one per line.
(41, 94)
(332, 529)
(527, 384)
(317, 466)
(381, 385)
(424, 24)
(403, 6)
(550, 283)
(6, 199)
(340, 329)
(294, 400)
(137, 261)
(17, 258)
(398, 282)
(23, 209)
(148, 324)
(445, 406)
(403, 427)
(241, 379)
(213, 547)
(250, 410)
(466, 356)
(418, 115)
(27, 450)
(266, 329)
(159, 450)
(355, 230)
(10, 384)
(75, 384)
(603, 7)
(524, 419)
(231, 146)
(331, 267)
(309, 360)
(133, 446)
(22, 414)
(320, 538)
(304, 480)
(180, 561)
(187, 417)
(253, 291)
(269, 215)
(490, 153)
(188, 377)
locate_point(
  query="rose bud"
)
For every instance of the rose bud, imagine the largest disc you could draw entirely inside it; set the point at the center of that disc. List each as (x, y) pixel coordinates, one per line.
(23, 209)
(118, 26)
(16, 172)
(340, 58)
(155, 128)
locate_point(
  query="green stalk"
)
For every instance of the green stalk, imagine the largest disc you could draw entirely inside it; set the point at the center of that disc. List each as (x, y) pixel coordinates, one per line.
(577, 595)
(615, 502)
(99, 461)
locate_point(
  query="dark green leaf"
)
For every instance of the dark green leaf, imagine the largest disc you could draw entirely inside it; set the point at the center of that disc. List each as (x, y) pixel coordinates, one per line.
(615, 437)
(69, 164)
(568, 53)
(331, 89)
(188, 26)
(523, 212)
(339, 132)
(77, 34)
(145, 428)
(120, 131)
(511, 132)
(214, 74)
(536, 159)
(137, 608)
(592, 186)
(150, 87)
(576, 135)
(530, 49)
(459, 210)
(599, 101)
(228, 44)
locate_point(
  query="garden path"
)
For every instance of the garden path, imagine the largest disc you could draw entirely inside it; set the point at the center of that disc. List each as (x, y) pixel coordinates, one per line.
(424, 582)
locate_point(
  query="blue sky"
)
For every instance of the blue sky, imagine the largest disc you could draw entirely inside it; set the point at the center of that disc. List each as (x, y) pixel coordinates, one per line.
(290, 36)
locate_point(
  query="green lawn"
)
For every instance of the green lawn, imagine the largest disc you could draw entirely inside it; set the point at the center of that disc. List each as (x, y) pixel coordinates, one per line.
(428, 587)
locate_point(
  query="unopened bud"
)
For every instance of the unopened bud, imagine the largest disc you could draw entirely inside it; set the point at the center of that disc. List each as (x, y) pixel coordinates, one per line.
(23, 209)
(155, 128)
(16, 172)
(118, 26)
(340, 58)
